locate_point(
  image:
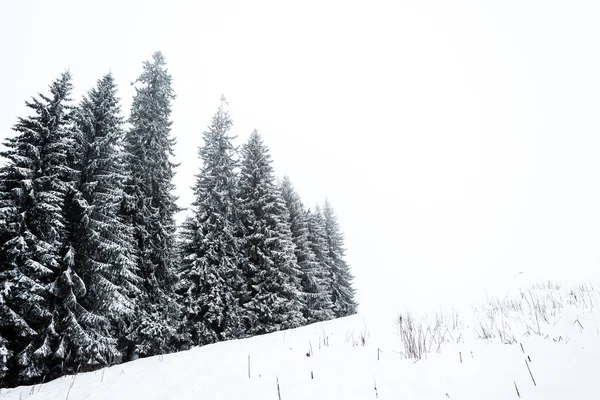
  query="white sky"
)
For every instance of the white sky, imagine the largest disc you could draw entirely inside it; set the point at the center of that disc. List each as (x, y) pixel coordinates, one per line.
(457, 140)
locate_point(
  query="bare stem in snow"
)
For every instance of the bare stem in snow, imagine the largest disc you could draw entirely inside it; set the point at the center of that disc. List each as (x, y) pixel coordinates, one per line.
(375, 387)
(530, 374)
(71, 386)
(278, 391)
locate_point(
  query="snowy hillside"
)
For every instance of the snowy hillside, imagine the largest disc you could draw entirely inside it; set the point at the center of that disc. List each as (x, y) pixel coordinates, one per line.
(542, 341)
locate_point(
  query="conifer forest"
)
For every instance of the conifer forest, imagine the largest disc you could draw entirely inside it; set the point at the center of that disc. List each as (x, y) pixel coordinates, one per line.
(94, 268)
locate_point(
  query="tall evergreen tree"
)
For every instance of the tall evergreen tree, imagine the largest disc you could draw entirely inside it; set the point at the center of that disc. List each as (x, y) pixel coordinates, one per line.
(103, 245)
(342, 292)
(34, 260)
(317, 241)
(317, 300)
(210, 277)
(273, 299)
(150, 207)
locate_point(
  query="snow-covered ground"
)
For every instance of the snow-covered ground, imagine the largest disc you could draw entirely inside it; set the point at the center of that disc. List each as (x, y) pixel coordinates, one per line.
(545, 333)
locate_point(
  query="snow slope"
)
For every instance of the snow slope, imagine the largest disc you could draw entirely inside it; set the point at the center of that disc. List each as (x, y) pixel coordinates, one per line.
(477, 353)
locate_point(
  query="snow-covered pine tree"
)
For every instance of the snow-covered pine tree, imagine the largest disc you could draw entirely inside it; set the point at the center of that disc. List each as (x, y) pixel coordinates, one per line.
(317, 241)
(103, 246)
(33, 184)
(150, 207)
(273, 297)
(315, 286)
(210, 277)
(342, 292)
(83, 337)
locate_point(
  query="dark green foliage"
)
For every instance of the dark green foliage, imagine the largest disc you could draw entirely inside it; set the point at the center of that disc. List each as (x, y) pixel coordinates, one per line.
(103, 245)
(342, 293)
(150, 207)
(316, 302)
(90, 271)
(273, 294)
(211, 279)
(33, 184)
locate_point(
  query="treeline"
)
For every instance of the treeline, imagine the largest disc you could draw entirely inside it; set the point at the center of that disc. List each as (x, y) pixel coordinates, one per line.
(95, 271)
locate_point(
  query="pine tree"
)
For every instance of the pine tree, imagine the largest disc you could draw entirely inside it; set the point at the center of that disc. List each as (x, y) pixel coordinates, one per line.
(272, 273)
(83, 340)
(317, 300)
(210, 277)
(317, 241)
(150, 207)
(103, 245)
(342, 293)
(33, 184)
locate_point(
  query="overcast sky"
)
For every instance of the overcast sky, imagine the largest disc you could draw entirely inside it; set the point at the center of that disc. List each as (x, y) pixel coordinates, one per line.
(458, 141)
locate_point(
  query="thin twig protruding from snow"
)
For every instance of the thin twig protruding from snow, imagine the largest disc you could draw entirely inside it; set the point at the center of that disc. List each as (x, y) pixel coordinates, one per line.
(278, 391)
(375, 387)
(530, 374)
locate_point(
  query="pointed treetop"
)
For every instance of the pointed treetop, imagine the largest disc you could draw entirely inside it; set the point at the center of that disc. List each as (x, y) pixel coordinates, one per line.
(108, 77)
(60, 89)
(158, 58)
(221, 121)
(63, 80)
(155, 74)
(223, 109)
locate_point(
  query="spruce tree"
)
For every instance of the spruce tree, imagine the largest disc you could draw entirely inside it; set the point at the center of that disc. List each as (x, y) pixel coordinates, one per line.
(317, 300)
(210, 277)
(84, 342)
(33, 251)
(150, 207)
(103, 245)
(273, 298)
(342, 292)
(317, 241)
